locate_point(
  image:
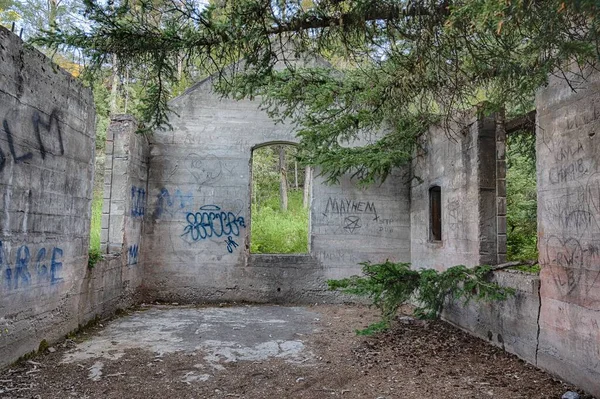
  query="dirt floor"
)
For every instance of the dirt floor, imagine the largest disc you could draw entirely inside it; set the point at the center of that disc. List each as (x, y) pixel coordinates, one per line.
(272, 352)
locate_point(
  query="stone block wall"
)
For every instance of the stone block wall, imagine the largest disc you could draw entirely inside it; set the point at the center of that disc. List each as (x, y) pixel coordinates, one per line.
(46, 172)
(568, 177)
(201, 170)
(461, 161)
(511, 324)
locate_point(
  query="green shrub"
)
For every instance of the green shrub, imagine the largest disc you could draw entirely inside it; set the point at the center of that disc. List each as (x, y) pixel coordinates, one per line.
(390, 285)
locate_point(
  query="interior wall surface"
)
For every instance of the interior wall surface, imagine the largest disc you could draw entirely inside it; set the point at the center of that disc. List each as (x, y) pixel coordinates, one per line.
(200, 172)
(568, 178)
(461, 161)
(47, 138)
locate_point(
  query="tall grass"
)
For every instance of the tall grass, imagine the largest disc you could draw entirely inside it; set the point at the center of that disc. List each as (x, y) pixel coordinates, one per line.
(274, 231)
(96, 223)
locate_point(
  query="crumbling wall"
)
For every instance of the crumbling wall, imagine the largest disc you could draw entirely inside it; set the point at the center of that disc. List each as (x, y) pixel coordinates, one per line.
(47, 142)
(568, 177)
(201, 170)
(460, 160)
(467, 163)
(46, 173)
(115, 280)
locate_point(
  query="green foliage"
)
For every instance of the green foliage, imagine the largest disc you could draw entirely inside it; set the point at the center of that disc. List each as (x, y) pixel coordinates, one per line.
(101, 100)
(398, 66)
(96, 222)
(521, 198)
(389, 285)
(274, 231)
(94, 257)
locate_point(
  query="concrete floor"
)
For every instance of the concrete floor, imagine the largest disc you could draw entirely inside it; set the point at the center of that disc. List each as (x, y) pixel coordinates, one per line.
(223, 335)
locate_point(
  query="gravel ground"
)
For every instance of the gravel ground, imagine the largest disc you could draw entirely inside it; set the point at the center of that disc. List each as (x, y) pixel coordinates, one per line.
(414, 360)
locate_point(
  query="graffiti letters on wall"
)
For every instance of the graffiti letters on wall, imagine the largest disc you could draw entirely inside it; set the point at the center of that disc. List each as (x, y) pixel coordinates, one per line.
(52, 141)
(212, 222)
(171, 202)
(132, 254)
(352, 211)
(138, 202)
(571, 209)
(43, 266)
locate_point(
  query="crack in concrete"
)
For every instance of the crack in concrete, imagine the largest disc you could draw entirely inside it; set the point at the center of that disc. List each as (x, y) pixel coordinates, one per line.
(537, 339)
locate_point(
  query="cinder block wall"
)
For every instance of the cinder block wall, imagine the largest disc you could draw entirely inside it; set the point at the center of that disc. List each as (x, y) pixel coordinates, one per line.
(468, 164)
(202, 167)
(47, 141)
(568, 176)
(461, 161)
(46, 173)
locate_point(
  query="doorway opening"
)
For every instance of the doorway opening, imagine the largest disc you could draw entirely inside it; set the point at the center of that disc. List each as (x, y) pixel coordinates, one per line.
(280, 209)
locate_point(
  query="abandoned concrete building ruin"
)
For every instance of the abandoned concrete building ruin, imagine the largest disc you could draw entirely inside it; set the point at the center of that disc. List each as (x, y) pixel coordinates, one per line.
(158, 188)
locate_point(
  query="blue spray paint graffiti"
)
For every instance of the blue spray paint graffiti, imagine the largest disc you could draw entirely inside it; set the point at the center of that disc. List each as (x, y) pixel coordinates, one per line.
(138, 201)
(230, 244)
(167, 203)
(132, 255)
(19, 276)
(210, 222)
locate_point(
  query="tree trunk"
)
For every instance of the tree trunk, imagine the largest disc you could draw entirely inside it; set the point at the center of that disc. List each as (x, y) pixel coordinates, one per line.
(307, 182)
(126, 89)
(283, 200)
(296, 174)
(115, 85)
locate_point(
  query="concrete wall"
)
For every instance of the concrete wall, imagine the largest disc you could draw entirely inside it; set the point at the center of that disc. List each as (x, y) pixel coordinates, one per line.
(461, 161)
(467, 163)
(125, 194)
(568, 144)
(47, 142)
(202, 167)
(511, 324)
(46, 173)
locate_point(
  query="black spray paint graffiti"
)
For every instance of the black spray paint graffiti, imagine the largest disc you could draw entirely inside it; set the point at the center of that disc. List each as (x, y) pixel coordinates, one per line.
(132, 255)
(344, 206)
(568, 255)
(138, 201)
(205, 169)
(351, 224)
(210, 221)
(576, 209)
(570, 166)
(353, 212)
(19, 275)
(39, 125)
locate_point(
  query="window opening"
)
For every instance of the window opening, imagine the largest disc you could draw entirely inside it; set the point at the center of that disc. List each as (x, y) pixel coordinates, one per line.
(280, 201)
(435, 211)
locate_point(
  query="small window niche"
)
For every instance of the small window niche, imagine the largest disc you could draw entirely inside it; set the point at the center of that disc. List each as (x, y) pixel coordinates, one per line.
(435, 214)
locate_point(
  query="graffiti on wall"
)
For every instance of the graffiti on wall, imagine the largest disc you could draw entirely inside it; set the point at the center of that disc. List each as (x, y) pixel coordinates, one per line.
(205, 169)
(169, 203)
(138, 202)
(346, 206)
(571, 210)
(354, 214)
(569, 164)
(43, 266)
(132, 254)
(41, 128)
(212, 222)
